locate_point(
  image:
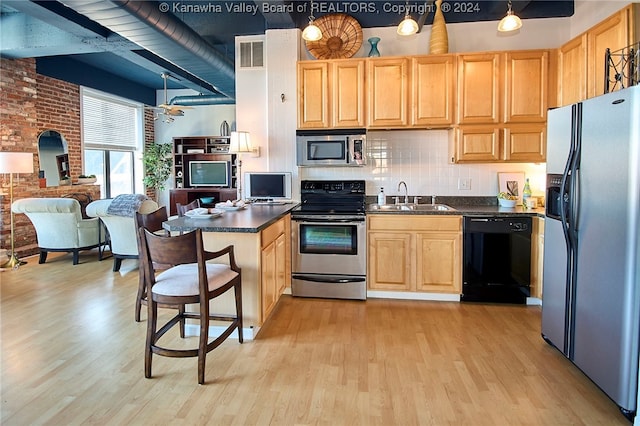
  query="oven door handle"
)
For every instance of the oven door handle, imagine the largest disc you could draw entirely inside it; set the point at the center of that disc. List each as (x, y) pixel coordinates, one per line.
(325, 221)
(328, 280)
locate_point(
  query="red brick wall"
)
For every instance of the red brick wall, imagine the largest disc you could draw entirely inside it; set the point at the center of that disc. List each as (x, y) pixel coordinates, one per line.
(18, 133)
(29, 104)
(58, 108)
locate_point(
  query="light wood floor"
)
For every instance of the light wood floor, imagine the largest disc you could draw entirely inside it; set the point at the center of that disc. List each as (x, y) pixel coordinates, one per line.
(72, 354)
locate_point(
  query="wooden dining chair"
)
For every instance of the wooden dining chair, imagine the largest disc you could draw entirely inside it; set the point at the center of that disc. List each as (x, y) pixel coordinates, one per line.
(183, 208)
(152, 222)
(191, 280)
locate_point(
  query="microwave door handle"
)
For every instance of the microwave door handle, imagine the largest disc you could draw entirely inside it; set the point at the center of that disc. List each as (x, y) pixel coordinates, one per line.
(350, 149)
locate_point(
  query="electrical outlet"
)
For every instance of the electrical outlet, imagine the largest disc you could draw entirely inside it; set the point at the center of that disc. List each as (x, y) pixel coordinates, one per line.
(464, 183)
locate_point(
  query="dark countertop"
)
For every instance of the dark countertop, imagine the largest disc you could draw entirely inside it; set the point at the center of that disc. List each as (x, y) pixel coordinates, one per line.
(253, 219)
(466, 206)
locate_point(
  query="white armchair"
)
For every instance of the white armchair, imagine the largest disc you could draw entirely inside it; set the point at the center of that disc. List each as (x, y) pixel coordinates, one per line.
(59, 225)
(122, 229)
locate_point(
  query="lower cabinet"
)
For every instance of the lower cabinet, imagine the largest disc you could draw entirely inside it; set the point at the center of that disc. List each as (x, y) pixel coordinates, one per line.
(415, 253)
(537, 254)
(275, 261)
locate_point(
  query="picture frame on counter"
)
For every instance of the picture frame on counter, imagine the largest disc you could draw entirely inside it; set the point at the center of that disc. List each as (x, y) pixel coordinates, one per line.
(512, 183)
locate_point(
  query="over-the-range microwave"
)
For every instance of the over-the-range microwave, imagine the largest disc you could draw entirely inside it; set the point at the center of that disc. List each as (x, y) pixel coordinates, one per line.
(336, 148)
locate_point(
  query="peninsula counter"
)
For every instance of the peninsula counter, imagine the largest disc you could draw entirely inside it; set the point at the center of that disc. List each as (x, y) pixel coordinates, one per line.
(261, 236)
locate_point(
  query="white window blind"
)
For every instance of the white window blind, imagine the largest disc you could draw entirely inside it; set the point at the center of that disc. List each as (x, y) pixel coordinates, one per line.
(109, 122)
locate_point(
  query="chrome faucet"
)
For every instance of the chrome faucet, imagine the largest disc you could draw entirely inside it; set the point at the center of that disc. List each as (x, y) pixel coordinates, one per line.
(406, 192)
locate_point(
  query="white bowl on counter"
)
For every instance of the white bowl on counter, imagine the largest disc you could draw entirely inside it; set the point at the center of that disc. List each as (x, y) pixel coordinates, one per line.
(507, 203)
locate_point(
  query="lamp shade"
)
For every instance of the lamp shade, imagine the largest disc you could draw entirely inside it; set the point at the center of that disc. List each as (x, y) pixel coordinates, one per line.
(240, 142)
(510, 22)
(16, 162)
(408, 26)
(312, 32)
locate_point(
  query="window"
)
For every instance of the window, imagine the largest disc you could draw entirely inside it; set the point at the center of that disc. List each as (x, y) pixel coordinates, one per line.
(112, 134)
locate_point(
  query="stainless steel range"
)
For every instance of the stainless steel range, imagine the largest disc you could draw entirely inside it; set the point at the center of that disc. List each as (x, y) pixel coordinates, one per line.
(329, 240)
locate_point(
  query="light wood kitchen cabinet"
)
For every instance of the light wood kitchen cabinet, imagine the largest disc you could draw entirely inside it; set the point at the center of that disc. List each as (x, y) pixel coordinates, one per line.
(331, 94)
(615, 33)
(477, 144)
(525, 143)
(484, 134)
(572, 71)
(415, 253)
(526, 76)
(313, 95)
(390, 260)
(516, 143)
(388, 92)
(347, 93)
(433, 90)
(581, 61)
(537, 251)
(275, 258)
(479, 88)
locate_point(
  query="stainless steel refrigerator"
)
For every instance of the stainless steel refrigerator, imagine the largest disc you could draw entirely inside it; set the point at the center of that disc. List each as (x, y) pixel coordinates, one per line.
(591, 283)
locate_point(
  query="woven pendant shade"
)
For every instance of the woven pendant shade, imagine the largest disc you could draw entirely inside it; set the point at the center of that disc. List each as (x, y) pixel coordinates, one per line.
(439, 42)
(341, 37)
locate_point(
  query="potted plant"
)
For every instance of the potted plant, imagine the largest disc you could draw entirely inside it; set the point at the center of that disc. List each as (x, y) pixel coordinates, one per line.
(87, 179)
(157, 163)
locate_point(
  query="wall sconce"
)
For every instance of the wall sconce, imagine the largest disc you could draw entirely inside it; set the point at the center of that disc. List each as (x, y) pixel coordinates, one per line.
(408, 26)
(510, 22)
(239, 144)
(312, 32)
(14, 162)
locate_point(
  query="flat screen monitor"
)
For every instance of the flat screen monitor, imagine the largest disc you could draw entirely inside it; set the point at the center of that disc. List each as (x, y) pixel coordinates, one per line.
(209, 173)
(267, 186)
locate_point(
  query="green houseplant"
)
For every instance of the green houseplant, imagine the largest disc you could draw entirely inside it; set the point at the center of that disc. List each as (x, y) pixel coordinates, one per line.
(157, 163)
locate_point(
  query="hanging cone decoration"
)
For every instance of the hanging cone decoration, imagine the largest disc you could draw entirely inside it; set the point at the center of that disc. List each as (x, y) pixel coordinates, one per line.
(439, 42)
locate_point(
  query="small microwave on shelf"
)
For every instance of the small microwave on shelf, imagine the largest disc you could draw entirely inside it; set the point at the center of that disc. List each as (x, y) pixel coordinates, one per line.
(335, 148)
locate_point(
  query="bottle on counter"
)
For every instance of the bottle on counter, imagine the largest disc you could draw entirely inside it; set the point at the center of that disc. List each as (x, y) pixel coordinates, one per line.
(526, 194)
(382, 198)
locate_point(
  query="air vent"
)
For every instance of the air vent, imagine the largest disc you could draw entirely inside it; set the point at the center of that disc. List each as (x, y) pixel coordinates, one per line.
(252, 54)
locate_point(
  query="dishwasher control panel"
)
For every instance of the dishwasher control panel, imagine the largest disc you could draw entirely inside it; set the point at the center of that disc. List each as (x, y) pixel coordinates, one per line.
(497, 224)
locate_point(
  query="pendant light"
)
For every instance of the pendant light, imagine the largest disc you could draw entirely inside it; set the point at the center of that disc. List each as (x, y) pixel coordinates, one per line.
(312, 32)
(511, 22)
(408, 26)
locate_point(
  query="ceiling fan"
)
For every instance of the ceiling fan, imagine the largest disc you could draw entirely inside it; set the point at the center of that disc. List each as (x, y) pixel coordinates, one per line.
(165, 109)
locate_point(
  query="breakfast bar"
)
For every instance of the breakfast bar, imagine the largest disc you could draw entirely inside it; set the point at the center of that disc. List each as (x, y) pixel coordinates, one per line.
(261, 238)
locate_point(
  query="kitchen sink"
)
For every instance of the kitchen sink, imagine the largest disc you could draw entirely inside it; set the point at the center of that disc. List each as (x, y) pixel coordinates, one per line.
(411, 207)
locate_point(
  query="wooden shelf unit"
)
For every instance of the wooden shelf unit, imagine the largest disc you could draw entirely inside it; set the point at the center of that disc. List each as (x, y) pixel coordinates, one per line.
(199, 148)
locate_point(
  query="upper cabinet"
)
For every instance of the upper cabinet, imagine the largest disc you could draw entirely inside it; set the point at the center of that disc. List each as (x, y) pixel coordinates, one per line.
(433, 90)
(502, 107)
(388, 90)
(614, 33)
(347, 93)
(572, 71)
(313, 95)
(581, 61)
(330, 94)
(479, 88)
(526, 86)
(389, 93)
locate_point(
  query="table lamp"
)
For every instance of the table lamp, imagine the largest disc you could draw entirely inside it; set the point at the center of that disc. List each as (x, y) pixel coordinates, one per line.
(14, 162)
(239, 144)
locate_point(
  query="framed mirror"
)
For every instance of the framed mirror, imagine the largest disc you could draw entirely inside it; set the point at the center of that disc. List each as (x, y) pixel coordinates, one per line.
(54, 156)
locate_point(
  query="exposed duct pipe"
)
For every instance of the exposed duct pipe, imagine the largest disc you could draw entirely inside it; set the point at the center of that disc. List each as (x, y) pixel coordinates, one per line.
(164, 35)
(198, 100)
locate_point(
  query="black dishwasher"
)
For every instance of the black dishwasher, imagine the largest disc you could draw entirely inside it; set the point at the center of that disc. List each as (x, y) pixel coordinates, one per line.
(497, 259)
